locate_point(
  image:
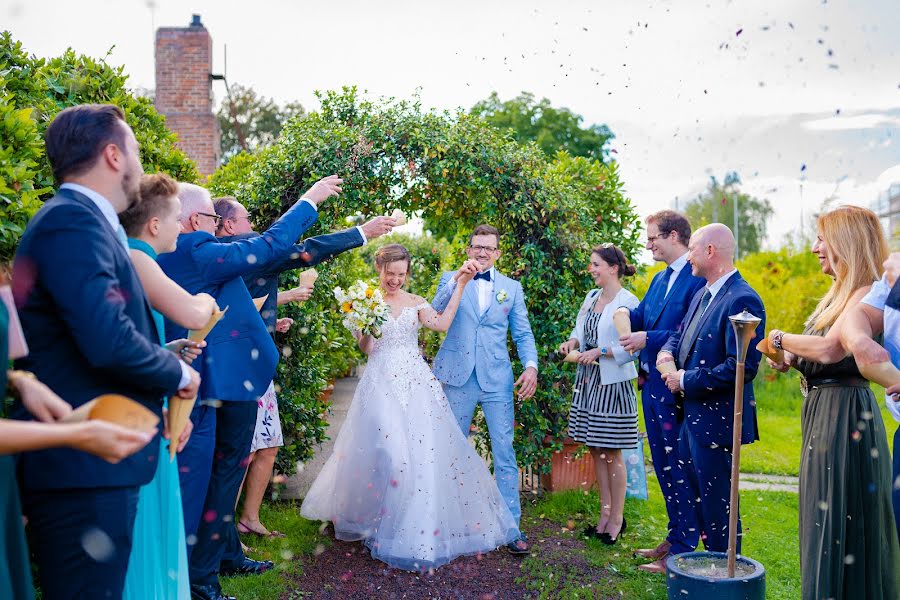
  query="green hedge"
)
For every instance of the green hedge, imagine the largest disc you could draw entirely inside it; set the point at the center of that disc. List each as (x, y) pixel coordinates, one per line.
(32, 91)
(457, 171)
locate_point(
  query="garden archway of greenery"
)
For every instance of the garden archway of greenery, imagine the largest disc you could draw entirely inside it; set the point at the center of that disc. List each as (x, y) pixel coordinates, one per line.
(456, 171)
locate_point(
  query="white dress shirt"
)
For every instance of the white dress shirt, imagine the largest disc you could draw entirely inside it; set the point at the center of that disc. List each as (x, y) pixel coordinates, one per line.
(713, 290)
(677, 265)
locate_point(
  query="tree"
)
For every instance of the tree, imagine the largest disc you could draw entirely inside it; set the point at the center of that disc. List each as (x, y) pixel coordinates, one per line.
(552, 129)
(716, 205)
(259, 120)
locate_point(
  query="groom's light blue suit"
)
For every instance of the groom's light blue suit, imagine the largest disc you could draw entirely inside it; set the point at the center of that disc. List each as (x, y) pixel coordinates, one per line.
(474, 367)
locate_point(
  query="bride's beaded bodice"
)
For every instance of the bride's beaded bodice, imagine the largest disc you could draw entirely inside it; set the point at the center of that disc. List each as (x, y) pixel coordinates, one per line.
(402, 332)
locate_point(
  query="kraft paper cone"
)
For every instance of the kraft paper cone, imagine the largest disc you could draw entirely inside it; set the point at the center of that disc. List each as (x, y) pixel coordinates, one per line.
(666, 367)
(884, 374)
(622, 320)
(200, 334)
(117, 409)
(398, 216)
(766, 347)
(308, 278)
(258, 302)
(572, 357)
(179, 413)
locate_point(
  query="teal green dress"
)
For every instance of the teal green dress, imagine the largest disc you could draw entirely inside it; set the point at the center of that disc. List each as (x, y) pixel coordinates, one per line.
(15, 570)
(158, 567)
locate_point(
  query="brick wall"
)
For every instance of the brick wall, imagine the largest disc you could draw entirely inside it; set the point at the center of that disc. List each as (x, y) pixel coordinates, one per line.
(184, 91)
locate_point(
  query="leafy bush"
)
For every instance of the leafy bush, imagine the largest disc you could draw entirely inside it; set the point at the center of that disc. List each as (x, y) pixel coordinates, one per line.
(32, 91)
(459, 172)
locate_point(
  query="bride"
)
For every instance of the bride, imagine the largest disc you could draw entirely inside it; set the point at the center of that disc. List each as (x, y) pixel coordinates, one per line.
(402, 477)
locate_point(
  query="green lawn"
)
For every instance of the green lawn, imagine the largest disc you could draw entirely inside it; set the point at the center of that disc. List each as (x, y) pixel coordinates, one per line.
(771, 537)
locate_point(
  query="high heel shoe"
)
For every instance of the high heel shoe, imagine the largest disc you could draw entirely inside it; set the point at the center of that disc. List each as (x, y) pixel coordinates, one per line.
(608, 539)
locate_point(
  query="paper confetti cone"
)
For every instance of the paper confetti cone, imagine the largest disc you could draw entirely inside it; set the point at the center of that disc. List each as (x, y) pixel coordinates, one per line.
(179, 413)
(622, 320)
(572, 357)
(884, 374)
(666, 367)
(118, 409)
(766, 347)
(398, 216)
(258, 302)
(308, 278)
(200, 334)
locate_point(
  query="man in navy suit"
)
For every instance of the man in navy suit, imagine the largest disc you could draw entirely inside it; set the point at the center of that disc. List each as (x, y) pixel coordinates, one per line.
(89, 328)
(655, 319)
(705, 352)
(237, 366)
(236, 225)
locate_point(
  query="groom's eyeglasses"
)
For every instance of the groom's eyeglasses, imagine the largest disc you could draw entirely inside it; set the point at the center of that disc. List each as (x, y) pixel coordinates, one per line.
(485, 248)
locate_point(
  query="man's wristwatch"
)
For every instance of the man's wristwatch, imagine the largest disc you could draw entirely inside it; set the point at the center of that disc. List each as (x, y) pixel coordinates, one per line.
(602, 350)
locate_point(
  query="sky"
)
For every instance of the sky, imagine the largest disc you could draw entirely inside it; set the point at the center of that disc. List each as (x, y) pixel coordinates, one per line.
(800, 97)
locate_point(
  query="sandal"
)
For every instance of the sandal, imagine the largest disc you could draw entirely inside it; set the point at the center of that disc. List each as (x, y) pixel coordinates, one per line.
(246, 530)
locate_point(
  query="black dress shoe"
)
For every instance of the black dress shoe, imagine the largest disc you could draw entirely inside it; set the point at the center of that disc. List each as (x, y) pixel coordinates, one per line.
(519, 546)
(208, 592)
(247, 567)
(610, 540)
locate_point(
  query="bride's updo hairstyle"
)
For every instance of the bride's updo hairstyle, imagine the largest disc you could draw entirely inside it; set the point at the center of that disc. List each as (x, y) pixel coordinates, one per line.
(611, 255)
(392, 253)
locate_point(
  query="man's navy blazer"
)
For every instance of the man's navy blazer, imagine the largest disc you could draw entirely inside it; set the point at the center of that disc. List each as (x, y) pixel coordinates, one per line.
(712, 362)
(240, 358)
(660, 315)
(308, 253)
(89, 329)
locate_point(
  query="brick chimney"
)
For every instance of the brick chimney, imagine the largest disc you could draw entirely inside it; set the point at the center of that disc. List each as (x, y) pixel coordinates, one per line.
(184, 91)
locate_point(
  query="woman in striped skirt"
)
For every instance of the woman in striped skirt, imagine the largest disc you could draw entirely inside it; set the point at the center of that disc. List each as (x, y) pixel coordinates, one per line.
(603, 415)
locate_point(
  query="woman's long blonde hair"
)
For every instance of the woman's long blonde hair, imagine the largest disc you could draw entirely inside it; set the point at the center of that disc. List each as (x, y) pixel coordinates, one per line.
(856, 250)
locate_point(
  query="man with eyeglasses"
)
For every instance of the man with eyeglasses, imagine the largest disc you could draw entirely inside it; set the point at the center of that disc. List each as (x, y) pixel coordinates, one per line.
(473, 363)
(652, 322)
(237, 366)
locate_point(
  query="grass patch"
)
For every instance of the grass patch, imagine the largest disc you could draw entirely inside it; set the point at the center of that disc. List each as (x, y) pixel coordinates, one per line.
(770, 522)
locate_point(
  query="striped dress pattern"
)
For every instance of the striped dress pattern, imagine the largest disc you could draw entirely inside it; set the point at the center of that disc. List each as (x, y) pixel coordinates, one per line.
(601, 415)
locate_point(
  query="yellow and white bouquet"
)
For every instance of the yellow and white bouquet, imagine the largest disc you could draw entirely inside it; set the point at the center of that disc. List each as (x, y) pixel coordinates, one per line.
(364, 308)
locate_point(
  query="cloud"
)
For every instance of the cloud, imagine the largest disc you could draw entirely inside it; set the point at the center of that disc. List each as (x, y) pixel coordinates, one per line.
(856, 122)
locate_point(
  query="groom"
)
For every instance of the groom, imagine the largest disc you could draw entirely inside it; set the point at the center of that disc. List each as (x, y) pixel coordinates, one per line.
(473, 363)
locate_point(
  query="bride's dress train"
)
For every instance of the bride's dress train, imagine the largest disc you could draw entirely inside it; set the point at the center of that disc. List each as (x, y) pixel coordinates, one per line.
(402, 477)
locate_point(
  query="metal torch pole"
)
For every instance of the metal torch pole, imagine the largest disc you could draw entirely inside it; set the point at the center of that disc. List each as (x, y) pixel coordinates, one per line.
(744, 325)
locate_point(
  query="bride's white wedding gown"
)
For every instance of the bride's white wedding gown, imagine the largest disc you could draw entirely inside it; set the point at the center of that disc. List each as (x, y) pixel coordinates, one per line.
(402, 477)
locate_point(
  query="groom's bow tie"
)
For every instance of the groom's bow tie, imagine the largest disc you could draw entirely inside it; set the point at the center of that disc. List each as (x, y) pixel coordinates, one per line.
(486, 276)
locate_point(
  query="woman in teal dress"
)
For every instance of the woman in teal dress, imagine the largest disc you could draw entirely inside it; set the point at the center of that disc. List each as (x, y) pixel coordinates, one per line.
(108, 441)
(158, 566)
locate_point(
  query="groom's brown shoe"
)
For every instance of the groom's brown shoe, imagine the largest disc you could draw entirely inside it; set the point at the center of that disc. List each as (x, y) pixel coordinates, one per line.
(657, 566)
(654, 553)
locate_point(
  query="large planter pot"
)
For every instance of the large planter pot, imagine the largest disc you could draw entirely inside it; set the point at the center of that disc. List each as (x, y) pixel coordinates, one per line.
(697, 575)
(568, 472)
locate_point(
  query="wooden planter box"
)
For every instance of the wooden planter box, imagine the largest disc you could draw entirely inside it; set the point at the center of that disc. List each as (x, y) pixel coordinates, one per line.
(568, 472)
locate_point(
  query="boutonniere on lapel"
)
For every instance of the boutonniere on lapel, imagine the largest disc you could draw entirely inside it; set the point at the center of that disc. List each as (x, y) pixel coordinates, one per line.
(502, 296)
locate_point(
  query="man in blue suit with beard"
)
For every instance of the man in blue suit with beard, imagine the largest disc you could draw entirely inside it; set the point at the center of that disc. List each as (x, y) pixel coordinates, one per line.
(237, 365)
(705, 351)
(656, 318)
(90, 332)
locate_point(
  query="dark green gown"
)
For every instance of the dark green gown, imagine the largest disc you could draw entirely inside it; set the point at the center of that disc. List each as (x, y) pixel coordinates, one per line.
(15, 570)
(848, 541)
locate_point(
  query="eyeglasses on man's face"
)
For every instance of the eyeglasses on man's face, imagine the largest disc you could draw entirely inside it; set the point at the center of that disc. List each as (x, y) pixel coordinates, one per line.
(215, 217)
(653, 238)
(483, 248)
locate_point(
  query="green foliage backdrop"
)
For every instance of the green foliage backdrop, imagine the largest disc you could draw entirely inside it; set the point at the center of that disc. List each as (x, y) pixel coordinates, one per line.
(32, 91)
(457, 171)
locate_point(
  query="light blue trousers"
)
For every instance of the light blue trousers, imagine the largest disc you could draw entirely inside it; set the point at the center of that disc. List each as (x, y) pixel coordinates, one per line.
(498, 413)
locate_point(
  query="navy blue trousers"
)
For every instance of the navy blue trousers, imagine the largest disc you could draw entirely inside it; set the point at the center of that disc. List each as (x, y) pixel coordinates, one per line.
(81, 540)
(707, 484)
(194, 469)
(663, 432)
(235, 424)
